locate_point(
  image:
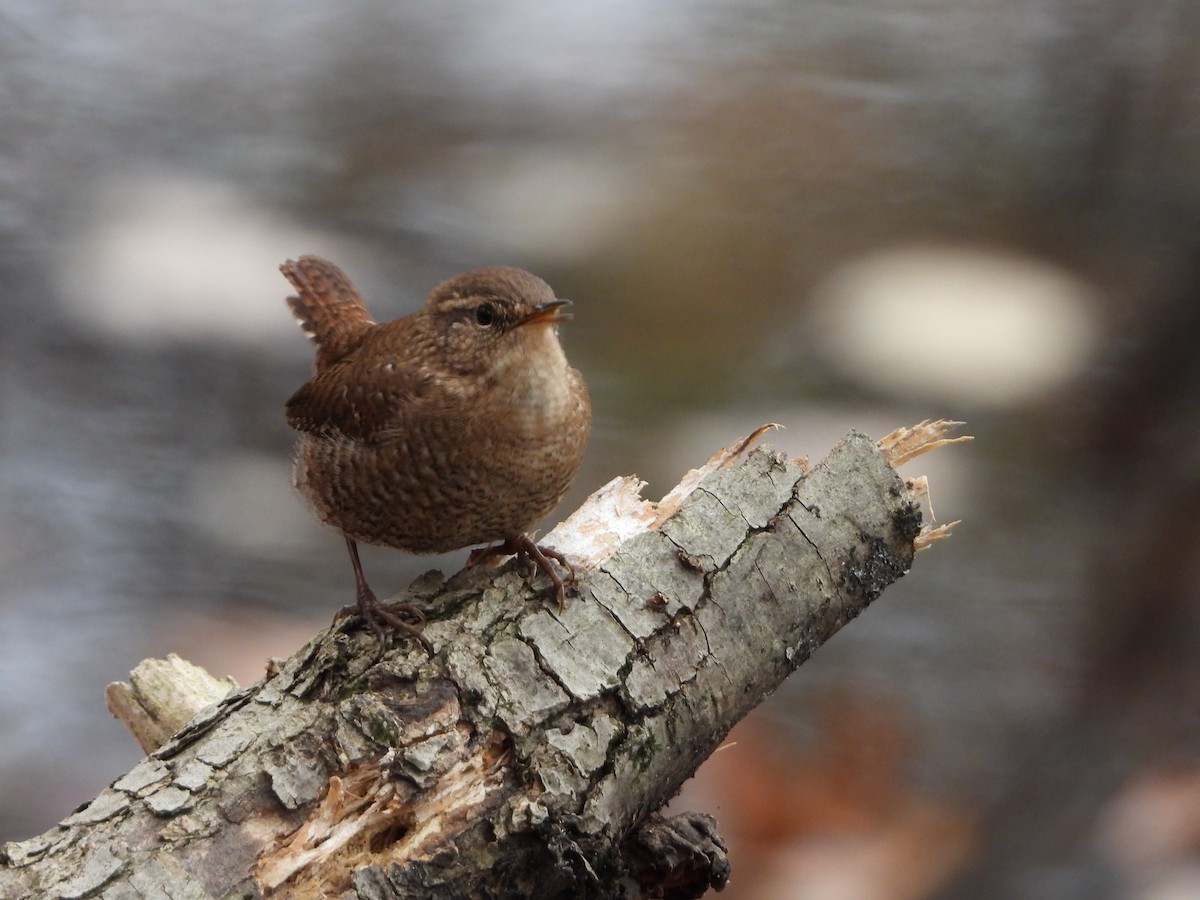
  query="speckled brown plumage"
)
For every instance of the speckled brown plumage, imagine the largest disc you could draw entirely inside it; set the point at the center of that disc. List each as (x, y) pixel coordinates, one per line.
(461, 424)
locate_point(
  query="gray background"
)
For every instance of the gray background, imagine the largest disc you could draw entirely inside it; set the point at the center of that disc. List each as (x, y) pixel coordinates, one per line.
(829, 215)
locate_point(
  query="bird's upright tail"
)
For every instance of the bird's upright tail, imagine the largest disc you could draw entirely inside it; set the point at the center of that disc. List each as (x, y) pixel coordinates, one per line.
(328, 306)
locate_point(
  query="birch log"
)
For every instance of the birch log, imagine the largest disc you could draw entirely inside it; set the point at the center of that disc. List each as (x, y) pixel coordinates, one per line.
(529, 755)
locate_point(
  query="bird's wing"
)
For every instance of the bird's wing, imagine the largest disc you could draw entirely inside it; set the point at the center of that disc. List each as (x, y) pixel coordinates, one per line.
(371, 394)
(328, 306)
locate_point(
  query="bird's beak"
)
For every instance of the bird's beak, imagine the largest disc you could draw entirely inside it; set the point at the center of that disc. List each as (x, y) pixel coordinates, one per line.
(547, 314)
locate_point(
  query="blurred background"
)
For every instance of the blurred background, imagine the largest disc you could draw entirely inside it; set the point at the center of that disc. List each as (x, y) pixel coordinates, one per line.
(831, 215)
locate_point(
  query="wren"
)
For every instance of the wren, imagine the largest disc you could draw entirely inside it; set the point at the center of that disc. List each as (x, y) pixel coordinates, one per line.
(458, 425)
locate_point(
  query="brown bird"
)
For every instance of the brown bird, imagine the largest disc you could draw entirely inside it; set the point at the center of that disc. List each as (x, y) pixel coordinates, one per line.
(461, 424)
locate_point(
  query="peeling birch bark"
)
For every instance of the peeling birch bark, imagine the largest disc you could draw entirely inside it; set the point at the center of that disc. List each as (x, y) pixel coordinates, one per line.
(529, 756)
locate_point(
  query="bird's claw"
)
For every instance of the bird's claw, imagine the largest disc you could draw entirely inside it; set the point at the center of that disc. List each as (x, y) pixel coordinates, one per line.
(532, 558)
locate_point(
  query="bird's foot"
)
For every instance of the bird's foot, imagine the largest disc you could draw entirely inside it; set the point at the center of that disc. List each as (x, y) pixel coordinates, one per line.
(532, 559)
(377, 615)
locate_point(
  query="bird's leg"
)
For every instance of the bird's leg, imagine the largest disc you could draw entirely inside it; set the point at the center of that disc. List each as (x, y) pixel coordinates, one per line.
(376, 614)
(531, 558)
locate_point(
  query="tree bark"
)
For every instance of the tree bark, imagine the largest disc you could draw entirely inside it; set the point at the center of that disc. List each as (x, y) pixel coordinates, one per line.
(529, 755)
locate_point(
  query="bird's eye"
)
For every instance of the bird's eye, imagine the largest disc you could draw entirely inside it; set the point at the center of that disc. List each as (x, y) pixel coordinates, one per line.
(485, 315)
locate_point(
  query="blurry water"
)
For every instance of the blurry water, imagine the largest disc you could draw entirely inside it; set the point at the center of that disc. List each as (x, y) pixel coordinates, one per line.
(692, 176)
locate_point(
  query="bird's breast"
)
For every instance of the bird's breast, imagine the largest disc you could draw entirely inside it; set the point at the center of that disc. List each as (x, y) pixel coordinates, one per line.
(538, 403)
(532, 388)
